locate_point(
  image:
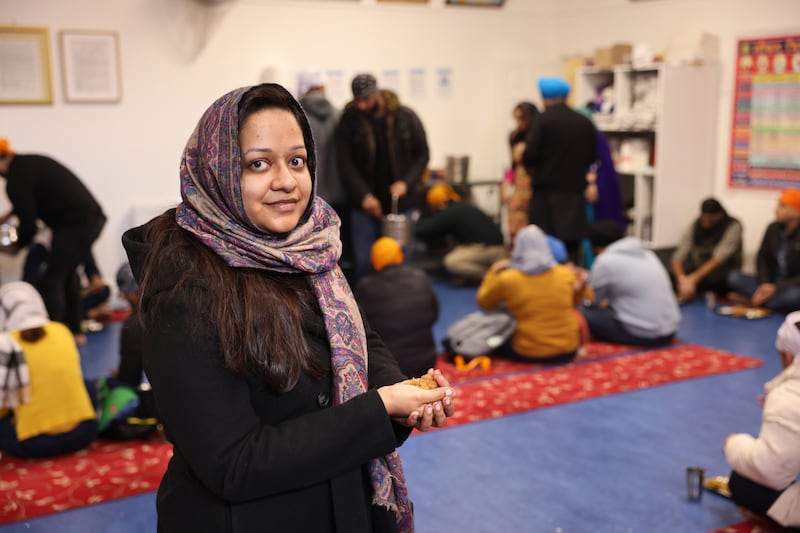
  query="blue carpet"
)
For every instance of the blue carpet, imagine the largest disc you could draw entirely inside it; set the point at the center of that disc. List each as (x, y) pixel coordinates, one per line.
(612, 464)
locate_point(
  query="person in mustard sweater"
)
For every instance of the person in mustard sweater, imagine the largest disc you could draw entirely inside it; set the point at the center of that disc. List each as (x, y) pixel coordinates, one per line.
(540, 294)
(58, 417)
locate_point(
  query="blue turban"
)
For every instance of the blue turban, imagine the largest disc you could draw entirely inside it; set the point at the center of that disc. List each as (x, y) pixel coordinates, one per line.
(552, 88)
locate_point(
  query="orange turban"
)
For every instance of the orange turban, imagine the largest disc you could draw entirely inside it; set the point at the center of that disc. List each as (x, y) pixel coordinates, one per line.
(5, 147)
(441, 193)
(791, 197)
(386, 251)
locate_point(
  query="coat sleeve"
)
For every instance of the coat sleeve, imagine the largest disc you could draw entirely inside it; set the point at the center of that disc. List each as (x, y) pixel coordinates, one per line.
(490, 292)
(681, 253)
(773, 458)
(383, 369)
(21, 196)
(357, 185)
(531, 154)
(730, 242)
(600, 280)
(419, 152)
(209, 417)
(764, 258)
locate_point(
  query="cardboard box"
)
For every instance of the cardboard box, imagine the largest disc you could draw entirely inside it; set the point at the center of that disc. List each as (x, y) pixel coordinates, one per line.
(602, 58)
(621, 54)
(605, 58)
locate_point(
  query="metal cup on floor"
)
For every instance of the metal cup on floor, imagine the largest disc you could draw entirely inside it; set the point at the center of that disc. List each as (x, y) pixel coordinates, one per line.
(695, 476)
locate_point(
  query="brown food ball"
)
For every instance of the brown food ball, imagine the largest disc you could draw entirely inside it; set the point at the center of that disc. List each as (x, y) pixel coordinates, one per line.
(424, 382)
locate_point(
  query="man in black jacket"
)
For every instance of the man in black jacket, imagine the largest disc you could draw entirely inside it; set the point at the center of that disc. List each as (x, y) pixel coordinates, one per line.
(776, 284)
(560, 148)
(382, 152)
(479, 241)
(40, 188)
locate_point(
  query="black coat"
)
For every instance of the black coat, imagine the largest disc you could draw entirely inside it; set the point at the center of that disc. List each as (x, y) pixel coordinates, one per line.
(767, 259)
(560, 146)
(357, 154)
(401, 304)
(249, 460)
(40, 188)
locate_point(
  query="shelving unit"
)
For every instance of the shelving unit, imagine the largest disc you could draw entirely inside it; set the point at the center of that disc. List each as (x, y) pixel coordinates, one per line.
(663, 125)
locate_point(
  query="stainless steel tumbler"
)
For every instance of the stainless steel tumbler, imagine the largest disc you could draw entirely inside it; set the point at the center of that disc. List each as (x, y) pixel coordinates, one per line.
(694, 482)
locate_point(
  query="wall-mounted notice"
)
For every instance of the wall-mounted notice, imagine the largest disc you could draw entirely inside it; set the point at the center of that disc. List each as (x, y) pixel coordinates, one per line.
(766, 122)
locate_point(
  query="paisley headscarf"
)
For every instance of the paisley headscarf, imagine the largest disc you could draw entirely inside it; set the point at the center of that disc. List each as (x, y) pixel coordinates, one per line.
(531, 253)
(212, 210)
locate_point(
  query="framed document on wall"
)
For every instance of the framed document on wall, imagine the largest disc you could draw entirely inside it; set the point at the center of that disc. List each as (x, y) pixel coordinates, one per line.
(90, 66)
(25, 66)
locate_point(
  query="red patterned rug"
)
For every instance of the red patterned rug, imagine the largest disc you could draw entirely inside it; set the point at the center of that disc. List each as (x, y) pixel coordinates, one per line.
(497, 395)
(112, 470)
(105, 471)
(504, 367)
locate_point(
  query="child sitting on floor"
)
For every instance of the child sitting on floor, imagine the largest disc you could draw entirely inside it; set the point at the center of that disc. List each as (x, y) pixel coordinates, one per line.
(765, 467)
(57, 415)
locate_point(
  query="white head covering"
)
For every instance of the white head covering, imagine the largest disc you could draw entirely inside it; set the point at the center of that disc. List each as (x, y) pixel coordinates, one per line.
(308, 79)
(531, 253)
(788, 337)
(21, 307)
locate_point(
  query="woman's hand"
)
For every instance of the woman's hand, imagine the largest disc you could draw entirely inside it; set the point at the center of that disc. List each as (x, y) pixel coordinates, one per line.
(419, 408)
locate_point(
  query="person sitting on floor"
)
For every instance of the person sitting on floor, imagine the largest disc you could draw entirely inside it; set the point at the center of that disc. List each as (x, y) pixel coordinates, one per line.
(765, 468)
(124, 398)
(58, 417)
(540, 294)
(480, 240)
(634, 303)
(130, 370)
(400, 303)
(709, 250)
(776, 284)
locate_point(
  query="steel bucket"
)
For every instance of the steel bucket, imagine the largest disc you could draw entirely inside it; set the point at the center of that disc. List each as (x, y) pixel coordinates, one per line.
(396, 226)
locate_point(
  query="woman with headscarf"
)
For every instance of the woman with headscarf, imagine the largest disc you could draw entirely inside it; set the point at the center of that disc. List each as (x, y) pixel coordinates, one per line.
(766, 467)
(540, 294)
(49, 411)
(285, 409)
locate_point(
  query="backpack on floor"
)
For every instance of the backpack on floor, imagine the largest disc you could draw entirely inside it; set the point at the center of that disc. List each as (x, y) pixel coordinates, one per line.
(479, 333)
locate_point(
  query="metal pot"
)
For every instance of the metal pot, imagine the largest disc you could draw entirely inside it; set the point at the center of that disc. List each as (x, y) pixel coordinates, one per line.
(396, 226)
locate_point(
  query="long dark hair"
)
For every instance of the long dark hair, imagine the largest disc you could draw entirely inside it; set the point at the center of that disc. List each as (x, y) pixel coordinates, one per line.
(258, 319)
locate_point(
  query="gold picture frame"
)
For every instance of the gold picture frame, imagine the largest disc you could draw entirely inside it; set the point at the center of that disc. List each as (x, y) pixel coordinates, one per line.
(90, 66)
(25, 66)
(478, 3)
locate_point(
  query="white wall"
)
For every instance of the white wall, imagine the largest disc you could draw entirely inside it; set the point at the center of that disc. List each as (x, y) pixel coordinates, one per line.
(177, 57)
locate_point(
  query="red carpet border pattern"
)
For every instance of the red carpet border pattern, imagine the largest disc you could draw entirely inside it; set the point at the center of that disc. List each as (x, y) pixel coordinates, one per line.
(503, 367)
(502, 395)
(105, 471)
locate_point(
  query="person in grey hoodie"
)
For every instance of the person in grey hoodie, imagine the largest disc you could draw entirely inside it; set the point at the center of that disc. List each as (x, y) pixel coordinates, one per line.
(634, 303)
(323, 117)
